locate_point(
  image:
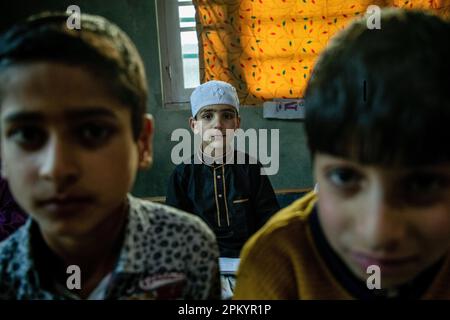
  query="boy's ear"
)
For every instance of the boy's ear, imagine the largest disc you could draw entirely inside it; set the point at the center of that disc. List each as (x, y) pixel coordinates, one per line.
(193, 125)
(238, 122)
(145, 142)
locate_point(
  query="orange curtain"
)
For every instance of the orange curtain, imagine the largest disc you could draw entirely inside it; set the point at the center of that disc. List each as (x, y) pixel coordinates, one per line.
(266, 48)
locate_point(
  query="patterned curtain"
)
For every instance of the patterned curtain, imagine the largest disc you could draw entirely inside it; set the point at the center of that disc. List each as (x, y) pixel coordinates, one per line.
(266, 48)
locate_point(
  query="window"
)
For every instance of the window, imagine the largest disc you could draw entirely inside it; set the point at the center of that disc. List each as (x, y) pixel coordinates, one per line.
(265, 49)
(179, 51)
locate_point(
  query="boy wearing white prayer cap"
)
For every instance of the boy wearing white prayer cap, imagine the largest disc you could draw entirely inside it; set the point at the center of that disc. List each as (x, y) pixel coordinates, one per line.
(232, 197)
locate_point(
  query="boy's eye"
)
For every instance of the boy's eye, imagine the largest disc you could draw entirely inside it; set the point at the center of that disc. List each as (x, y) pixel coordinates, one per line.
(28, 137)
(424, 187)
(344, 178)
(207, 116)
(94, 134)
(229, 115)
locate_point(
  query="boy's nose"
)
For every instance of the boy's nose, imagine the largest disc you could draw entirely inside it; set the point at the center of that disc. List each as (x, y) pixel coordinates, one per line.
(218, 122)
(59, 164)
(383, 226)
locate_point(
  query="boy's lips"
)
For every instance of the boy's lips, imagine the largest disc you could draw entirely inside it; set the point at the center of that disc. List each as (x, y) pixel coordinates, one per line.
(388, 264)
(65, 203)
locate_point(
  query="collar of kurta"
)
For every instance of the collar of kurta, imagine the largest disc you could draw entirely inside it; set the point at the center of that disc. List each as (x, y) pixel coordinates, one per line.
(226, 158)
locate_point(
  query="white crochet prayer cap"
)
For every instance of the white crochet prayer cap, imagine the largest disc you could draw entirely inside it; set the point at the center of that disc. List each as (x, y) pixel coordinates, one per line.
(213, 92)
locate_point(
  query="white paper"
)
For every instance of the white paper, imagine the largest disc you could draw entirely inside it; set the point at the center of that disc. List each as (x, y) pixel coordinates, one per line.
(284, 109)
(228, 265)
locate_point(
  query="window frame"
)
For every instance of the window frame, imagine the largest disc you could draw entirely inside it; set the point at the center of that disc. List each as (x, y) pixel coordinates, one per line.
(175, 96)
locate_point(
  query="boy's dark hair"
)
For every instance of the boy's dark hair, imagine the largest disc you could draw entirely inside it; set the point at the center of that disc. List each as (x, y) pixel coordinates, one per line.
(99, 45)
(383, 96)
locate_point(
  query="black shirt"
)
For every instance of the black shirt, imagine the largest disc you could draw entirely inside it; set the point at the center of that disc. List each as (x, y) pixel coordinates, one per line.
(235, 200)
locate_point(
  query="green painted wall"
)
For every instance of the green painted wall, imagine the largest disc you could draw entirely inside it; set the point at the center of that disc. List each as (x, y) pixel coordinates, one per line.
(138, 19)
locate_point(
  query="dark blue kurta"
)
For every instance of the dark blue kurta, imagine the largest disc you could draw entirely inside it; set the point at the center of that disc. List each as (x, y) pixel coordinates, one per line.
(235, 200)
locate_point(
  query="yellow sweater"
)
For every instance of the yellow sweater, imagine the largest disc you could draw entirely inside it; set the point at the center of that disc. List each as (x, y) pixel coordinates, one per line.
(281, 261)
